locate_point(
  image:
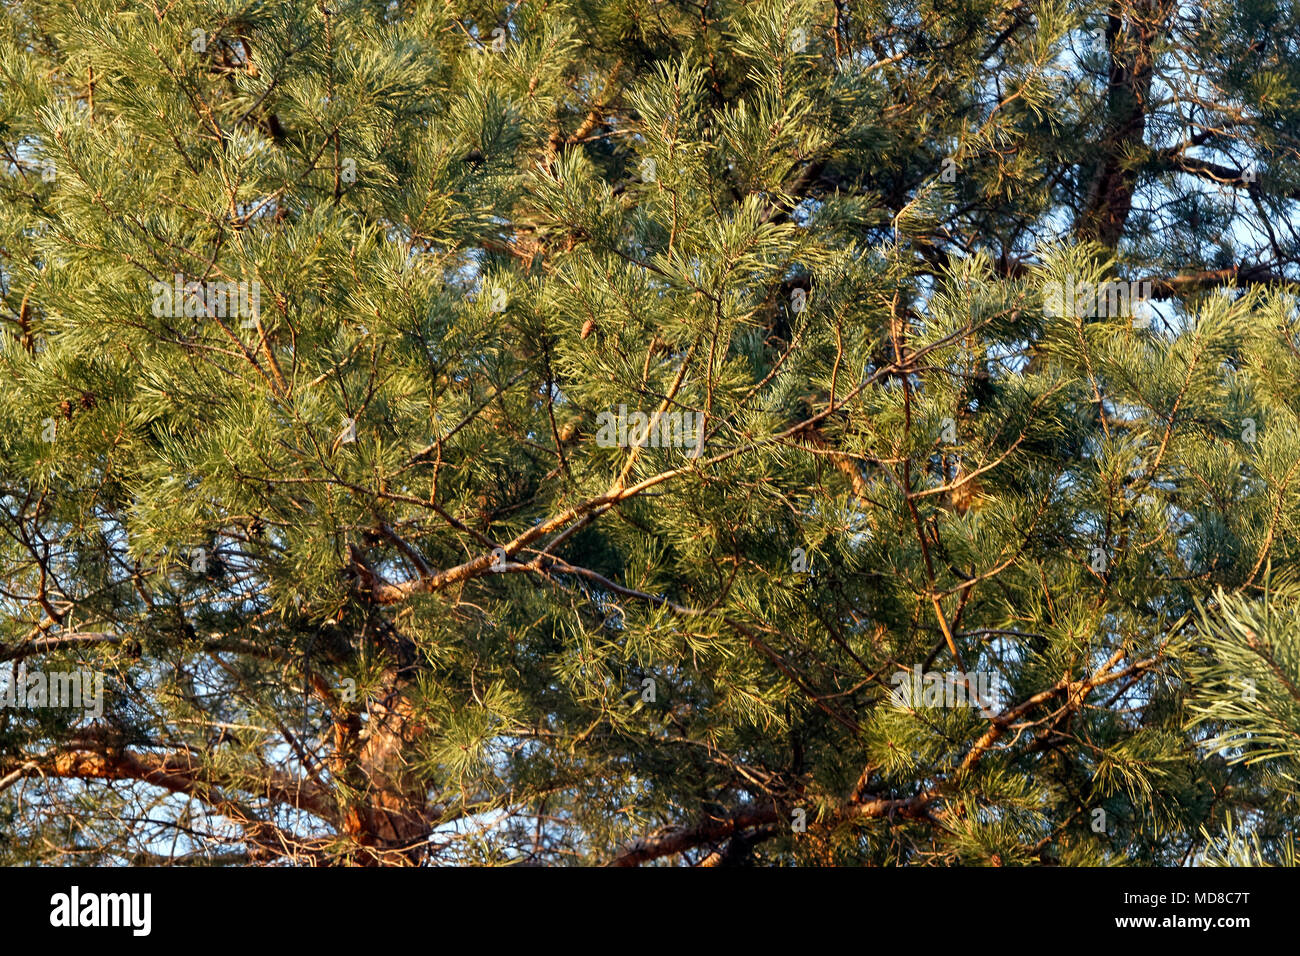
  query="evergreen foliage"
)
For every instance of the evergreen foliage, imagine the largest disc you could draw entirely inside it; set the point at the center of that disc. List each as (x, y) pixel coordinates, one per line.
(365, 580)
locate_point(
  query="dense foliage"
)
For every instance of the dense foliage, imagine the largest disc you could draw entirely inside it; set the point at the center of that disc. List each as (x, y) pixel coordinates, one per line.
(369, 579)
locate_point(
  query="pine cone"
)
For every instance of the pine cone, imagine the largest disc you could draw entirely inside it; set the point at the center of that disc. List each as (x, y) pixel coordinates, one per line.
(966, 496)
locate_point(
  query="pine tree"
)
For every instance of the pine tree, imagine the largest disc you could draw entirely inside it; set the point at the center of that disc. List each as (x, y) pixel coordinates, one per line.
(1244, 671)
(702, 432)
